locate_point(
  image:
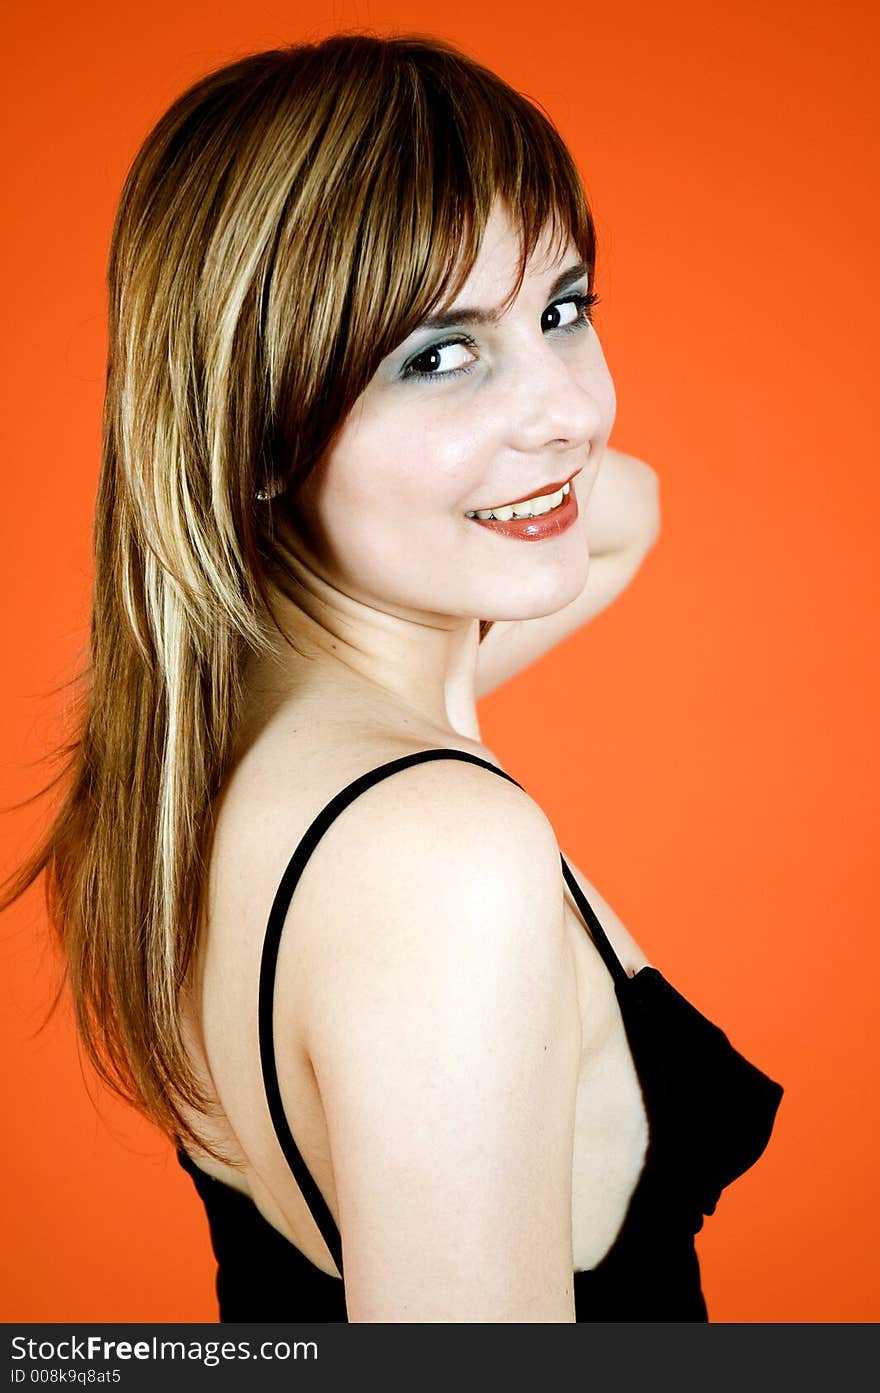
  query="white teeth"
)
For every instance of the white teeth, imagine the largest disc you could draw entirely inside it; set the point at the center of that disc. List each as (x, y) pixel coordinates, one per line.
(531, 508)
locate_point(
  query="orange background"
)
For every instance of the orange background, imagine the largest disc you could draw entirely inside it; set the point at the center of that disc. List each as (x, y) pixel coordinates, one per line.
(705, 748)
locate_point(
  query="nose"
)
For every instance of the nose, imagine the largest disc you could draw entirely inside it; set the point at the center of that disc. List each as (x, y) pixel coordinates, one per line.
(554, 399)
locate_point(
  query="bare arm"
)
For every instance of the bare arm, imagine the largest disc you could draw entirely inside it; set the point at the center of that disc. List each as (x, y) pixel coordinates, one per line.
(623, 523)
(445, 1037)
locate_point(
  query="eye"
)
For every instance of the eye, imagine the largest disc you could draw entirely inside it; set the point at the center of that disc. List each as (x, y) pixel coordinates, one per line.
(582, 305)
(428, 363)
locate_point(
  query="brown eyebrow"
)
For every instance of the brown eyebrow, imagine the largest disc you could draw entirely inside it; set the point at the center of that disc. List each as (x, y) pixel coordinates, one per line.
(449, 318)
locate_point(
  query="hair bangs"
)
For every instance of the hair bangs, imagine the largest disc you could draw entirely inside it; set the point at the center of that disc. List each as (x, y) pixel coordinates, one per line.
(458, 139)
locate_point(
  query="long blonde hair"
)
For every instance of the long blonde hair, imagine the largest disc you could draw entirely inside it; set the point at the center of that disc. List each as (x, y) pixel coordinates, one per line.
(286, 224)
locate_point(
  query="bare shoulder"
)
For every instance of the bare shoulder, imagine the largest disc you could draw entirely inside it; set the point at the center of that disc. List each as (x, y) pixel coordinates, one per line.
(443, 1029)
(443, 837)
(465, 799)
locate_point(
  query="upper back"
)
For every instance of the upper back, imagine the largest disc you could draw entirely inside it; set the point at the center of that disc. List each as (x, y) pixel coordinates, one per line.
(284, 779)
(325, 932)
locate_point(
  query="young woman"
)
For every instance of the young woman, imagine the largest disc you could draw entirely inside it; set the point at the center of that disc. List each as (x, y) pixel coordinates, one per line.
(354, 468)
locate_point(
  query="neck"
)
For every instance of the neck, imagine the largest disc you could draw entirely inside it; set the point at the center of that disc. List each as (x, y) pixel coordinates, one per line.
(411, 668)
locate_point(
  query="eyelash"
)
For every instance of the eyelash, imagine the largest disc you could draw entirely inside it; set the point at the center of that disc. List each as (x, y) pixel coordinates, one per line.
(584, 304)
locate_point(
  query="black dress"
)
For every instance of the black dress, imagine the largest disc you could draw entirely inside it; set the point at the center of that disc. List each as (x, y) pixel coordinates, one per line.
(710, 1114)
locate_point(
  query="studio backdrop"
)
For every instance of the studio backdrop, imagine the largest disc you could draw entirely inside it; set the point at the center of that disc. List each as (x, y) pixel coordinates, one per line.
(720, 717)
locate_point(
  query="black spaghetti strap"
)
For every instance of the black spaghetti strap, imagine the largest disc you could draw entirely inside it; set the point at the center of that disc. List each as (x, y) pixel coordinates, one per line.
(597, 933)
(269, 961)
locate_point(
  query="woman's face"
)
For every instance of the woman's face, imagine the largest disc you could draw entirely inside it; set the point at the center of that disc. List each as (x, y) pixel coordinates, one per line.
(447, 428)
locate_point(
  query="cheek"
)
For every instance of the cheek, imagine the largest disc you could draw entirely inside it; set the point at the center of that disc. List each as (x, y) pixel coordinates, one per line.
(602, 386)
(392, 466)
(609, 403)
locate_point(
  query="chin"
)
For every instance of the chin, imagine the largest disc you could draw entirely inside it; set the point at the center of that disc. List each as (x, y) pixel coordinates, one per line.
(541, 600)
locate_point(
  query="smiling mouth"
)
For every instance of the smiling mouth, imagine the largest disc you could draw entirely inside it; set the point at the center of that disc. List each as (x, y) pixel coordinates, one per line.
(534, 506)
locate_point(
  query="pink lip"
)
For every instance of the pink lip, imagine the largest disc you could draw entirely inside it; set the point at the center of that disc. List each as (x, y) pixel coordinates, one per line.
(536, 529)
